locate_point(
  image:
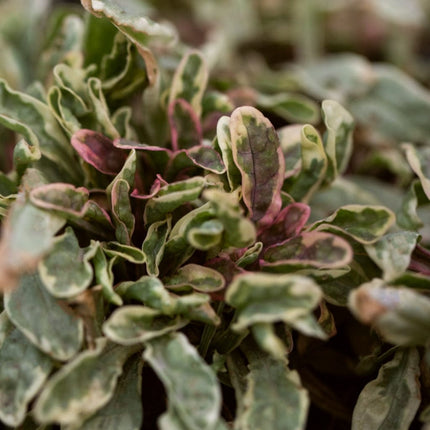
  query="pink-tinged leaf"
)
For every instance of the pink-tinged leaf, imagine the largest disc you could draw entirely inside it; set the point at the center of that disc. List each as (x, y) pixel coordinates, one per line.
(185, 127)
(309, 249)
(257, 154)
(288, 223)
(99, 151)
(131, 144)
(206, 158)
(158, 183)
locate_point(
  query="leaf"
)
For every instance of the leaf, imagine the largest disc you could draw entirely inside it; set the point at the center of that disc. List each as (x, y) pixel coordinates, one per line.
(154, 243)
(65, 271)
(99, 151)
(401, 315)
(313, 166)
(123, 217)
(171, 197)
(309, 249)
(206, 158)
(392, 253)
(257, 154)
(338, 138)
(407, 216)
(58, 334)
(190, 80)
(206, 235)
(124, 410)
(291, 107)
(27, 235)
(364, 223)
(133, 324)
(273, 396)
(239, 231)
(200, 278)
(127, 252)
(392, 399)
(38, 118)
(225, 145)
(82, 386)
(192, 388)
(23, 371)
(103, 272)
(264, 298)
(288, 223)
(141, 30)
(419, 160)
(185, 127)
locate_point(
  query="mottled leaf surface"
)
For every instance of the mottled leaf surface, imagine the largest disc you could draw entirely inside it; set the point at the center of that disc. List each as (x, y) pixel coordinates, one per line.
(124, 410)
(23, 371)
(257, 153)
(390, 401)
(392, 253)
(65, 271)
(82, 386)
(401, 315)
(419, 160)
(192, 387)
(133, 324)
(59, 333)
(365, 224)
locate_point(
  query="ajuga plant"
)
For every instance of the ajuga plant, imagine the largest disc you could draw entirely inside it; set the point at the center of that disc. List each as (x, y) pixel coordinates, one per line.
(170, 259)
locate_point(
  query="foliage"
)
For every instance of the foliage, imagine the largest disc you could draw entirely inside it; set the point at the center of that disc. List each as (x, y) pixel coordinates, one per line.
(170, 233)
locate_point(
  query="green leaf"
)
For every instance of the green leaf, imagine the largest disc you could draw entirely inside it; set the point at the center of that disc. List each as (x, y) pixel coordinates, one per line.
(123, 217)
(37, 117)
(390, 401)
(128, 253)
(338, 138)
(133, 324)
(82, 386)
(190, 80)
(392, 253)
(365, 224)
(273, 397)
(401, 315)
(225, 145)
(239, 231)
(154, 243)
(419, 160)
(104, 274)
(292, 107)
(269, 298)
(257, 154)
(65, 271)
(171, 197)
(58, 333)
(200, 278)
(313, 166)
(23, 371)
(124, 410)
(28, 233)
(192, 388)
(206, 235)
(407, 216)
(309, 249)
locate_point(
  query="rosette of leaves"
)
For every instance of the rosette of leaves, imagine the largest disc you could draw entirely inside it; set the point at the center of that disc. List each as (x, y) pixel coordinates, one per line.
(164, 250)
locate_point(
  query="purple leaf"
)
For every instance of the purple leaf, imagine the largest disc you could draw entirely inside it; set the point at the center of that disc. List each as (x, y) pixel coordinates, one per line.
(99, 151)
(288, 223)
(257, 154)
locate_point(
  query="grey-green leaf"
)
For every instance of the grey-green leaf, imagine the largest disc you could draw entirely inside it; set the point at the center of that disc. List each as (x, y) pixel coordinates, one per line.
(82, 386)
(23, 370)
(192, 387)
(390, 401)
(44, 322)
(65, 271)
